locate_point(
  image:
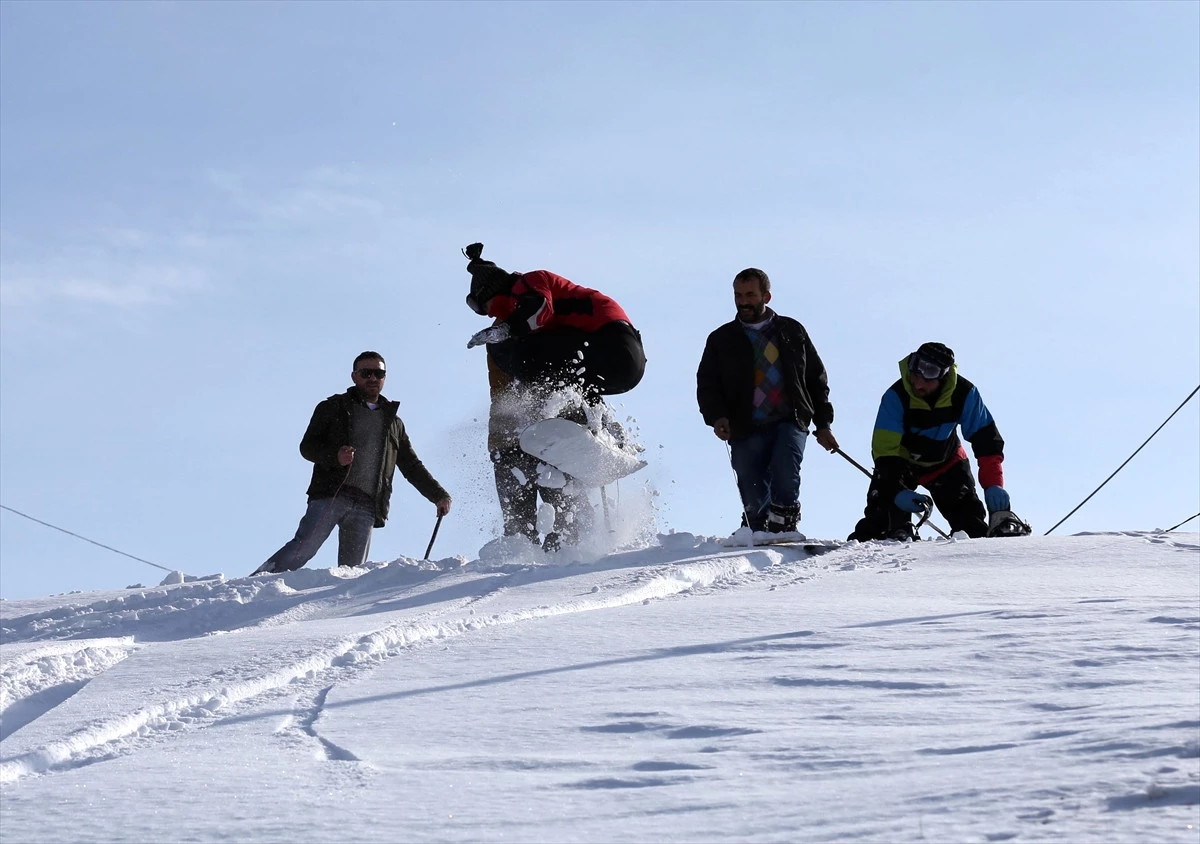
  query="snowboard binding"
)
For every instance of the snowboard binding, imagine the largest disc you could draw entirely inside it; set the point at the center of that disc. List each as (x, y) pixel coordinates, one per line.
(1007, 523)
(903, 533)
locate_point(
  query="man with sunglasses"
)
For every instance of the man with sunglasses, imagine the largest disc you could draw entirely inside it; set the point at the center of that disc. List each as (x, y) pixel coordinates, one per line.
(355, 441)
(916, 443)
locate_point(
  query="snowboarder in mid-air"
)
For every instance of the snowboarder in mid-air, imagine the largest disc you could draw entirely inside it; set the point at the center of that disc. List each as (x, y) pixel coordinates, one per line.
(551, 336)
(552, 332)
(916, 444)
(515, 470)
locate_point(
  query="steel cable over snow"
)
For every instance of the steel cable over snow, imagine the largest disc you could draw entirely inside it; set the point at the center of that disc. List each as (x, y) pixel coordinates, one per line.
(84, 538)
(1127, 459)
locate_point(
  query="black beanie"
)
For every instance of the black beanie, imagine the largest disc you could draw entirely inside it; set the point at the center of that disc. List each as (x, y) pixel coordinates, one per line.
(487, 279)
(938, 354)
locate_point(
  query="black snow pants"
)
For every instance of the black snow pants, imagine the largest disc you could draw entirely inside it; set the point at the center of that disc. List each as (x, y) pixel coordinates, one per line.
(518, 493)
(605, 362)
(953, 492)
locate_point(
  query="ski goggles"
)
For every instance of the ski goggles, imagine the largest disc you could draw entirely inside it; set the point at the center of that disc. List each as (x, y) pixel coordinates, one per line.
(927, 369)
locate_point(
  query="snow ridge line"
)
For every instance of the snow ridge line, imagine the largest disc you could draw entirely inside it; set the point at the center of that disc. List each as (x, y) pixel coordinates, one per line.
(54, 665)
(139, 599)
(372, 647)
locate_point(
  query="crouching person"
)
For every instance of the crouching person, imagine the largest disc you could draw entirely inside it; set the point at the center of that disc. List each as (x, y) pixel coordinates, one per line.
(355, 441)
(916, 443)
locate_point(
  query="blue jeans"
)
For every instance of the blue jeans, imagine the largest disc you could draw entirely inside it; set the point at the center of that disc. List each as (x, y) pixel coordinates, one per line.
(354, 520)
(767, 465)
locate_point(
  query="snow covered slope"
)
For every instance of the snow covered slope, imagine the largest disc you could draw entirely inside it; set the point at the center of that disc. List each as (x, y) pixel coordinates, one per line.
(1036, 689)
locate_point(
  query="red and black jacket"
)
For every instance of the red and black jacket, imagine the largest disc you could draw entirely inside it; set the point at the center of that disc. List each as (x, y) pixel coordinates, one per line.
(542, 301)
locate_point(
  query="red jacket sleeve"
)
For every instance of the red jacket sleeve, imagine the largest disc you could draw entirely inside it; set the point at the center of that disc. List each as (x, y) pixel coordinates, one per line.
(991, 470)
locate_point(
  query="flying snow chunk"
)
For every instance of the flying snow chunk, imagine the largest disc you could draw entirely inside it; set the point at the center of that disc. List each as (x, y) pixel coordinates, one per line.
(550, 477)
(545, 518)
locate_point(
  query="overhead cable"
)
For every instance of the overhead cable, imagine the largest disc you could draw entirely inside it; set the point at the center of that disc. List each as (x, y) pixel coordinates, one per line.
(1127, 459)
(84, 538)
(1181, 524)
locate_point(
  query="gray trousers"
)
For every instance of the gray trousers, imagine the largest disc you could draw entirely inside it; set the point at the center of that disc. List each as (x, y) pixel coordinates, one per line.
(354, 520)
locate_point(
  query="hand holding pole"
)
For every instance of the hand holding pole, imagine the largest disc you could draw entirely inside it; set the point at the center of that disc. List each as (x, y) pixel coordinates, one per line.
(860, 468)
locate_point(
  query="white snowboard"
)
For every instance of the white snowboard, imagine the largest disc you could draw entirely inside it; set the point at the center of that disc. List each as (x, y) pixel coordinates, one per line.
(745, 538)
(577, 452)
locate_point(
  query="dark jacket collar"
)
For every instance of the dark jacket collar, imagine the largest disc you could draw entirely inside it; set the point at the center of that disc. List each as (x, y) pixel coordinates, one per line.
(353, 394)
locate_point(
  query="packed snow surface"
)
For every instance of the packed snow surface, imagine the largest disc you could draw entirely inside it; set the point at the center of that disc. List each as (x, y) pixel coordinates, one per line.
(1032, 689)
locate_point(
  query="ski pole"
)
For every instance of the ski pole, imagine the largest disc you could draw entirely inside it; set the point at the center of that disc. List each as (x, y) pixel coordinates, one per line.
(860, 468)
(853, 462)
(437, 525)
(924, 518)
(745, 511)
(604, 502)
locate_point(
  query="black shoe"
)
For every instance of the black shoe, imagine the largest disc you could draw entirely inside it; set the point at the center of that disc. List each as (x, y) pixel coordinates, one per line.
(905, 533)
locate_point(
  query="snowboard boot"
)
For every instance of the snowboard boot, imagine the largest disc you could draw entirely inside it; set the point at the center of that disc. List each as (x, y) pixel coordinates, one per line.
(528, 531)
(758, 526)
(1007, 523)
(783, 518)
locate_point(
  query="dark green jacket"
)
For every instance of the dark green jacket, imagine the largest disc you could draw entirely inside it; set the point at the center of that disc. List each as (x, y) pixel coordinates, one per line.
(329, 430)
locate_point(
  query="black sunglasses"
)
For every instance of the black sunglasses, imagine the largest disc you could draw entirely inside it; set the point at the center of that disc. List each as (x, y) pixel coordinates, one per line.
(372, 373)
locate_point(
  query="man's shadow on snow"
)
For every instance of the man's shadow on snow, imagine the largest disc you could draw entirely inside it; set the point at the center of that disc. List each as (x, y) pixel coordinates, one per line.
(513, 575)
(775, 641)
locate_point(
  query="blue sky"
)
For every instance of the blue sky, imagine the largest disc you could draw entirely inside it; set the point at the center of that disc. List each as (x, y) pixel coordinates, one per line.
(207, 209)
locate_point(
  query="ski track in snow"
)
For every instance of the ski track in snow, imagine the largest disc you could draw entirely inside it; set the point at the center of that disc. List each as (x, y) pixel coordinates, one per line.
(215, 606)
(898, 663)
(37, 679)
